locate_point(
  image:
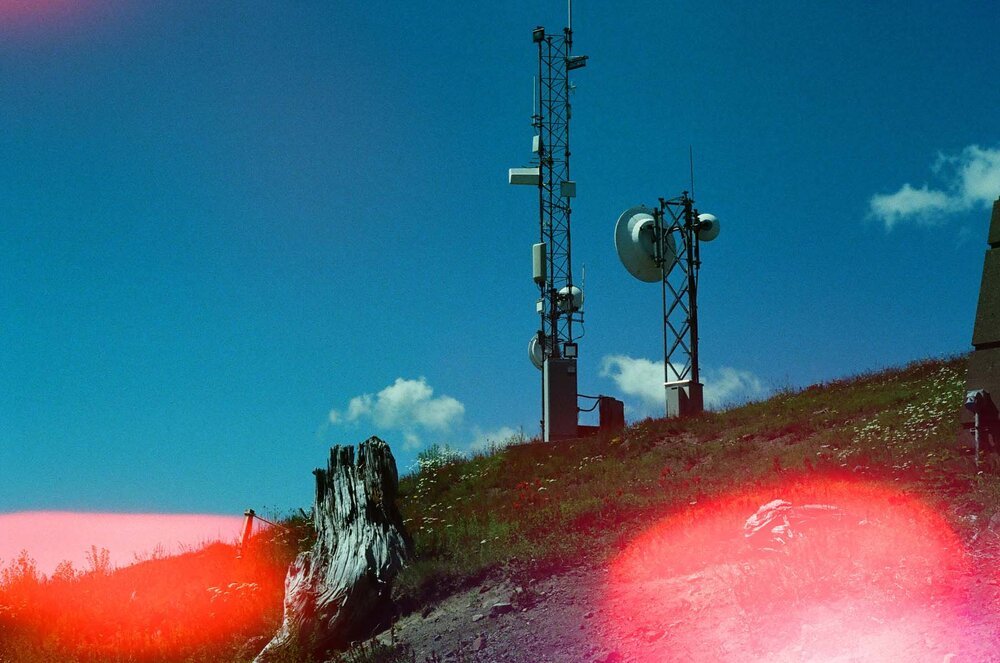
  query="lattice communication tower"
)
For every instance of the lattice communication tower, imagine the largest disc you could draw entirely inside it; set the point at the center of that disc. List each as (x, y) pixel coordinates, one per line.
(560, 303)
(680, 305)
(560, 299)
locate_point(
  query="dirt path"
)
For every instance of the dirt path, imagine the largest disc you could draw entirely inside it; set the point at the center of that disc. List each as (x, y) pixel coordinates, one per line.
(554, 619)
(572, 617)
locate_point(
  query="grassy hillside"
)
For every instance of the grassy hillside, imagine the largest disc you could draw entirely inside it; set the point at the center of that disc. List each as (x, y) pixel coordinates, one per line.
(526, 508)
(551, 505)
(202, 606)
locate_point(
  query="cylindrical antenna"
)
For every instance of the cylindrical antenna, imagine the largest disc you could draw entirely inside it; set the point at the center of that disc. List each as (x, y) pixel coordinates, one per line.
(569, 10)
(534, 97)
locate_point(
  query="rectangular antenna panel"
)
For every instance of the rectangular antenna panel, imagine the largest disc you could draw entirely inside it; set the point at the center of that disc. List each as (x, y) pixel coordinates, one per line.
(567, 189)
(536, 143)
(538, 262)
(524, 176)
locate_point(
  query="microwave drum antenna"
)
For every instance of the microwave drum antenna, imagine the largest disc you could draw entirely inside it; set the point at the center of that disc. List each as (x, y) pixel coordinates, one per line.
(570, 299)
(708, 227)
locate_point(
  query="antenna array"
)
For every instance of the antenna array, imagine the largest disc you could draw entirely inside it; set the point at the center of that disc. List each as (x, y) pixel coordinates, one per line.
(560, 302)
(555, 188)
(664, 244)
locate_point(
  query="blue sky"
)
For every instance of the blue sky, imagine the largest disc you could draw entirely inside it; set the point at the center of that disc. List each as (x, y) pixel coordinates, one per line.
(233, 234)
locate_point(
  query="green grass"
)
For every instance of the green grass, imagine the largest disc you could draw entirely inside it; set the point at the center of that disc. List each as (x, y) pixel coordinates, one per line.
(539, 506)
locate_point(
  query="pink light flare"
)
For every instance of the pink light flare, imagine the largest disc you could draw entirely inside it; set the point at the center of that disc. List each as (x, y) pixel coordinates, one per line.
(51, 537)
(881, 578)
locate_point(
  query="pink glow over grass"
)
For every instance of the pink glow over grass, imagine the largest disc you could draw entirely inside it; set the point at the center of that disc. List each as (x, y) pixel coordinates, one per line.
(53, 536)
(883, 583)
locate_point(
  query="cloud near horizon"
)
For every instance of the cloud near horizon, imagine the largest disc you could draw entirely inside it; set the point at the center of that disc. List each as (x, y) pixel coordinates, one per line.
(643, 379)
(409, 406)
(498, 438)
(971, 180)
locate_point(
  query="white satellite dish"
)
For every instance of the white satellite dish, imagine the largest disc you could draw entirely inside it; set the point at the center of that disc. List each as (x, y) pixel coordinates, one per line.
(570, 299)
(535, 353)
(708, 227)
(635, 241)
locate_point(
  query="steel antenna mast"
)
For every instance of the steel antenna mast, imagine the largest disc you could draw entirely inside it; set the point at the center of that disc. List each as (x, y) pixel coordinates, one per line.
(677, 218)
(664, 245)
(560, 301)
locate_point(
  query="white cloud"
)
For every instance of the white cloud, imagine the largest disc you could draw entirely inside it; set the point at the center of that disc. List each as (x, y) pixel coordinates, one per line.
(922, 205)
(406, 405)
(411, 441)
(359, 407)
(970, 178)
(727, 385)
(643, 379)
(636, 377)
(483, 440)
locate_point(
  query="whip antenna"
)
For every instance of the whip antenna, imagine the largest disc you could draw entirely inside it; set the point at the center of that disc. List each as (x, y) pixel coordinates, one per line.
(691, 166)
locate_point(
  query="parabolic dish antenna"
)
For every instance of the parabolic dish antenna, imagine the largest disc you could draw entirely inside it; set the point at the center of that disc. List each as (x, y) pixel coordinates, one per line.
(708, 227)
(635, 241)
(535, 353)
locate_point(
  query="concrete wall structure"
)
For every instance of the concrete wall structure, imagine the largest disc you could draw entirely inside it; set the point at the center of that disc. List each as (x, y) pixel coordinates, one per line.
(559, 406)
(984, 364)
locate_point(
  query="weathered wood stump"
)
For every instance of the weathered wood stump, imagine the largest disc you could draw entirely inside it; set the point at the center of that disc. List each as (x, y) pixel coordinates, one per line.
(339, 591)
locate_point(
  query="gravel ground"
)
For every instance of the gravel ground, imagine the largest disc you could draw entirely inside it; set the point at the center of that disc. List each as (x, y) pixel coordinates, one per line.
(553, 619)
(574, 617)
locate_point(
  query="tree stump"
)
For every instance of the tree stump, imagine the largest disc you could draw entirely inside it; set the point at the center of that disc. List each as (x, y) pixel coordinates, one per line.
(339, 591)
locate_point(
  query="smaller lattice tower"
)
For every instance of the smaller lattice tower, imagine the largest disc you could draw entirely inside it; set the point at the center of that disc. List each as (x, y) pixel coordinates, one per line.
(663, 245)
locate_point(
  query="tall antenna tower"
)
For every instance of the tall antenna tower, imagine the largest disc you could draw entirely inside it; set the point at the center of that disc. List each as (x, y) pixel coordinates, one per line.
(664, 244)
(560, 302)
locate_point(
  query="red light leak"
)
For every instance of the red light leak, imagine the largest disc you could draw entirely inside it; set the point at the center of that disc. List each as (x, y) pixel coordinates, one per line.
(51, 537)
(880, 583)
(165, 607)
